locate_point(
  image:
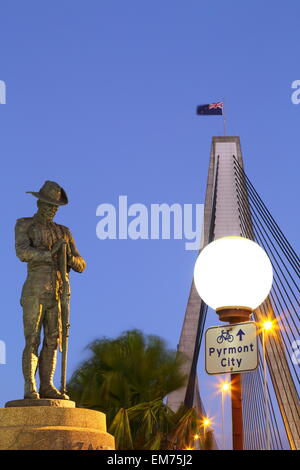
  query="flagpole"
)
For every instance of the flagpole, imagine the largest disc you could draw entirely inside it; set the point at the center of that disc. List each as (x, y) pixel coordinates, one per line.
(224, 119)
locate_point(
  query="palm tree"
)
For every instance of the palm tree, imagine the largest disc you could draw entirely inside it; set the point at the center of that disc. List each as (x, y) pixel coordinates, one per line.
(128, 378)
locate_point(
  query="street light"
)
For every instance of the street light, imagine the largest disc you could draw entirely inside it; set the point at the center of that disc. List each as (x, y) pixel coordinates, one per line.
(266, 327)
(206, 423)
(233, 275)
(225, 387)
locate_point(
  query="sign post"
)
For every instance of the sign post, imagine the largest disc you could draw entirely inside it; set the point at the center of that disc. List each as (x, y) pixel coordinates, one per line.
(232, 349)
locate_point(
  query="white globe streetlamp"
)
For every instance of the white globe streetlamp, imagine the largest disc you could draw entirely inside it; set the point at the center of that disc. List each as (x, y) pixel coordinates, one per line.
(233, 275)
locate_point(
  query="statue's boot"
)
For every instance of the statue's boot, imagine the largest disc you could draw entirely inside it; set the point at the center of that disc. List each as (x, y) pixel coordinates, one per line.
(47, 363)
(29, 366)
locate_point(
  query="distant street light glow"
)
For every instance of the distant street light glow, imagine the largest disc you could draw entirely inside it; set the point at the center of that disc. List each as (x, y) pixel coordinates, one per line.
(268, 325)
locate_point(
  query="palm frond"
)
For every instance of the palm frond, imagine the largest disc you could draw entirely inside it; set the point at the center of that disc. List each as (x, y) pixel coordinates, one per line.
(120, 429)
(185, 428)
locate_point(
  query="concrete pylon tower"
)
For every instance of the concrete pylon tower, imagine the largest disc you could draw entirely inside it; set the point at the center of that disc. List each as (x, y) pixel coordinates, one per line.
(224, 215)
(221, 219)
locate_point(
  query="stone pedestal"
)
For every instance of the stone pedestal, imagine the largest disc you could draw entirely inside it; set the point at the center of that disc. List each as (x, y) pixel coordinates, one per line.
(52, 425)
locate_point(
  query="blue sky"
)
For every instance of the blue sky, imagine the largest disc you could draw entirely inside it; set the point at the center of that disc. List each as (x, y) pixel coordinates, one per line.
(101, 97)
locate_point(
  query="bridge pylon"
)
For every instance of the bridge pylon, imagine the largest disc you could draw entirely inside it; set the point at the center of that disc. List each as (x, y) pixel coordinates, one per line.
(227, 212)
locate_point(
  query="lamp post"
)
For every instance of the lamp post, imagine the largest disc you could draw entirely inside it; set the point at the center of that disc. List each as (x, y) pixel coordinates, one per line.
(196, 441)
(267, 326)
(233, 275)
(206, 423)
(225, 387)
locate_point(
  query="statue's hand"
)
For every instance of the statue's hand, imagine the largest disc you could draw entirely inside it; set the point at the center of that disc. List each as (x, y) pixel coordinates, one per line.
(57, 246)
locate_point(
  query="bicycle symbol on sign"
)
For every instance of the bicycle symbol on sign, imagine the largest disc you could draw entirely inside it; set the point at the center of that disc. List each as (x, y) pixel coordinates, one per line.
(225, 336)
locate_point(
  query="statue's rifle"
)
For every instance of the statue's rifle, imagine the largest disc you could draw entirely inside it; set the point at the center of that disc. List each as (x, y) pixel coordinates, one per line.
(65, 315)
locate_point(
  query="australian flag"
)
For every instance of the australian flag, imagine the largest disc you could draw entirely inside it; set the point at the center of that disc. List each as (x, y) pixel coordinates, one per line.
(212, 109)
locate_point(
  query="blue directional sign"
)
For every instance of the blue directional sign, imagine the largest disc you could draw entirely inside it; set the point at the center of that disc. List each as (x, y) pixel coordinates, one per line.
(231, 348)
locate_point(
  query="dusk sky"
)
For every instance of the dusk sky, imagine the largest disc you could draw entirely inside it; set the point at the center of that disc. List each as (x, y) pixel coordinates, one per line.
(101, 97)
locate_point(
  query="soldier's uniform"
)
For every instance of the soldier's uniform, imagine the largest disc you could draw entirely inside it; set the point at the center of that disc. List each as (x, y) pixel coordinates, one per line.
(40, 299)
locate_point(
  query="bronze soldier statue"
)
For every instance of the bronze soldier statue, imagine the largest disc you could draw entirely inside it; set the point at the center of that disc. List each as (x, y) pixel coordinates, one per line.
(39, 242)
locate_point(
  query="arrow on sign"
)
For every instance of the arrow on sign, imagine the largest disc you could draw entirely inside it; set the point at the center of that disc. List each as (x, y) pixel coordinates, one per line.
(240, 333)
